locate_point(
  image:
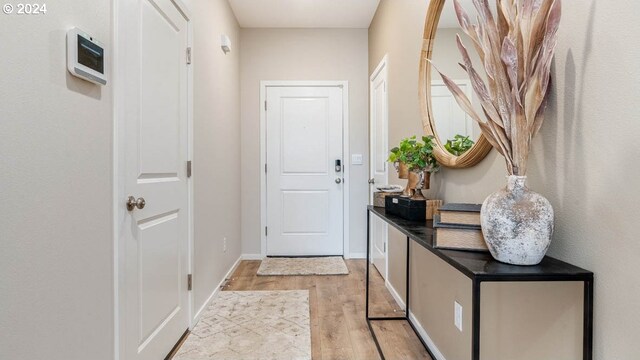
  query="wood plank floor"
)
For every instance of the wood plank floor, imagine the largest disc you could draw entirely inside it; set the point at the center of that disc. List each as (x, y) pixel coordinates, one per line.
(337, 304)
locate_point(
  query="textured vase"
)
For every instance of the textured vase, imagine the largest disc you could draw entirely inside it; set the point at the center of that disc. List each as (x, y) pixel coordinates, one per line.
(517, 223)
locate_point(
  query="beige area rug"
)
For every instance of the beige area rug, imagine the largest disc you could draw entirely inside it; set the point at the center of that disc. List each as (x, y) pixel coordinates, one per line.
(328, 265)
(248, 325)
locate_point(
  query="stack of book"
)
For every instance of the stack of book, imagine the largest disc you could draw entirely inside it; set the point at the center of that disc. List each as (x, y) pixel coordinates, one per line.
(458, 228)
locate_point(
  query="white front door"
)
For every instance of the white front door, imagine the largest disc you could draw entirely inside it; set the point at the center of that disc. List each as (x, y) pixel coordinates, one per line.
(304, 187)
(154, 39)
(379, 152)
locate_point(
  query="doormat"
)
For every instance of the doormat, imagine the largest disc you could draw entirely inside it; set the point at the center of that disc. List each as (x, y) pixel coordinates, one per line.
(330, 265)
(248, 325)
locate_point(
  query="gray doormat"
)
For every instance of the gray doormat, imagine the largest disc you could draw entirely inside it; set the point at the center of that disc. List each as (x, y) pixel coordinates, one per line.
(248, 325)
(329, 265)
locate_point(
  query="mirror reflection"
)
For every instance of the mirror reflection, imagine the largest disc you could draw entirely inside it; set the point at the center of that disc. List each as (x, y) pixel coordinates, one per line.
(456, 130)
(382, 303)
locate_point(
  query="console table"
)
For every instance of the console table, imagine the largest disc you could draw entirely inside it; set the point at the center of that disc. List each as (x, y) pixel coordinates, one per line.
(479, 267)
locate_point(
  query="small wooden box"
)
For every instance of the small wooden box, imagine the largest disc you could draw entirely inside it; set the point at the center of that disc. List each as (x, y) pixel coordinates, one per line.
(378, 198)
(433, 207)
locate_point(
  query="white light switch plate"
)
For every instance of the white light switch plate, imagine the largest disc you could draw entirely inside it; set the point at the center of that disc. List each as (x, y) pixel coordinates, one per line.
(457, 315)
(356, 159)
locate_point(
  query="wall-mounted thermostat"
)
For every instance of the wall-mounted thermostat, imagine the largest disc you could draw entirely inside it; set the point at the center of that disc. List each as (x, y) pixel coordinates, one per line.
(86, 57)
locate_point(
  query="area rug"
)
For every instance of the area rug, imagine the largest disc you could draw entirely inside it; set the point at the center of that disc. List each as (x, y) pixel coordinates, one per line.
(329, 265)
(251, 325)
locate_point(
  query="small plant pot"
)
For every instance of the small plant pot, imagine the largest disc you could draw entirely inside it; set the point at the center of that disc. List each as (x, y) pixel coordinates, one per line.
(403, 171)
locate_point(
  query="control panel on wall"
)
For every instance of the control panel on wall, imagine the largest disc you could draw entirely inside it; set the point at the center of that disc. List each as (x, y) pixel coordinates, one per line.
(86, 57)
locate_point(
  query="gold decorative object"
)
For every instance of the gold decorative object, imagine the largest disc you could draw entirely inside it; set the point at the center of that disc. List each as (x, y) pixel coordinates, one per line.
(414, 186)
(403, 173)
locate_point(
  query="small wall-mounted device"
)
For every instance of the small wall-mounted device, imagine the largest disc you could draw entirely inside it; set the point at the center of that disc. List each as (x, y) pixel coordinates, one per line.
(86, 57)
(338, 165)
(225, 43)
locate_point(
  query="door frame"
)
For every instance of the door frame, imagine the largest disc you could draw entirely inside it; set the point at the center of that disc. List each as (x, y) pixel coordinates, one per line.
(344, 85)
(384, 69)
(119, 211)
(381, 69)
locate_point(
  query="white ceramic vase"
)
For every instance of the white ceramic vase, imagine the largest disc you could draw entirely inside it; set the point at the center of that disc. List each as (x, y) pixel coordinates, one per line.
(517, 223)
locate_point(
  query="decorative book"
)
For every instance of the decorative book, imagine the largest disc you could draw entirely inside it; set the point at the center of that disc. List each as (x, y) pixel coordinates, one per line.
(458, 236)
(462, 214)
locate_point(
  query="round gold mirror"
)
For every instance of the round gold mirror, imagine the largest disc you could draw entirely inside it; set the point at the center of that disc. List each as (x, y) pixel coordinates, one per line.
(459, 140)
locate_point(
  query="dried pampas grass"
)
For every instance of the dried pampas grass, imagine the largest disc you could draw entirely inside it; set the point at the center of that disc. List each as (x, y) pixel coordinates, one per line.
(516, 48)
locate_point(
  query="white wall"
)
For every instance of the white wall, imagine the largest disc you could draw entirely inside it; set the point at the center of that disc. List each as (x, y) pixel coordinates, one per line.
(584, 159)
(303, 54)
(56, 282)
(216, 162)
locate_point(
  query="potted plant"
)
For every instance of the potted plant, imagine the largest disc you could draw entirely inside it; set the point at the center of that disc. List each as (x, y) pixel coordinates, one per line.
(398, 156)
(423, 162)
(418, 158)
(516, 45)
(459, 145)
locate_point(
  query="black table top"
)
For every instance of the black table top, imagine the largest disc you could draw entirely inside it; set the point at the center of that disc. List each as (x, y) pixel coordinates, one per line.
(480, 265)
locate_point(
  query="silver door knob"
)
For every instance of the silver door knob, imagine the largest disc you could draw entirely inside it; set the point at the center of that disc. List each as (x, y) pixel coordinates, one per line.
(133, 203)
(338, 180)
(372, 181)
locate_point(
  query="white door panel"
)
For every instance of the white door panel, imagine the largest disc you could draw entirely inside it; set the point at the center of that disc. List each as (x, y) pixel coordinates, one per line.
(156, 136)
(378, 166)
(450, 119)
(304, 202)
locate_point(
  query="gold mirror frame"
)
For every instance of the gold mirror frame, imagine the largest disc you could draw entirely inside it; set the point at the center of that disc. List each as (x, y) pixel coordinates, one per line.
(481, 147)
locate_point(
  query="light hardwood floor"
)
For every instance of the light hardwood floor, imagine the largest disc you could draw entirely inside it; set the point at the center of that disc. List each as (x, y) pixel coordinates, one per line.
(337, 304)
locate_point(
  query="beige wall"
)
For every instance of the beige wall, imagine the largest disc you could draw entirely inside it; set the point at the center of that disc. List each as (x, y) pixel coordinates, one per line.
(216, 162)
(56, 282)
(303, 54)
(578, 161)
(56, 288)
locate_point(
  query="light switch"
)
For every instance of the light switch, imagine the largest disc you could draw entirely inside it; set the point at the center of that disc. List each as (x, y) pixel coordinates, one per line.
(356, 159)
(457, 317)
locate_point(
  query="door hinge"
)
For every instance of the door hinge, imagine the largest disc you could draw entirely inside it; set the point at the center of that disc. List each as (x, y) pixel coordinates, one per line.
(189, 55)
(265, 168)
(189, 282)
(265, 105)
(266, 232)
(385, 247)
(189, 169)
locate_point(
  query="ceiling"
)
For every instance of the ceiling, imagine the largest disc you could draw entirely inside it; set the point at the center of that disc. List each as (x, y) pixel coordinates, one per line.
(304, 13)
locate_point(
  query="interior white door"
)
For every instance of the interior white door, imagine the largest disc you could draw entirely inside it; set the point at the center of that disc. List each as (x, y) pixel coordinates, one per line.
(450, 119)
(155, 102)
(304, 187)
(379, 148)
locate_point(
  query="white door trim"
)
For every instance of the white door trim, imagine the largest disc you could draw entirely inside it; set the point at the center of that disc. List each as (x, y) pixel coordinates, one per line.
(383, 70)
(381, 67)
(118, 134)
(345, 151)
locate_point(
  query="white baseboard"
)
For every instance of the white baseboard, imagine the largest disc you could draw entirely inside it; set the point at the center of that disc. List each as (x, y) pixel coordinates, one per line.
(358, 255)
(421, 331)
(395, 294)
(251, 257)
(215, 292)
(423, 334)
